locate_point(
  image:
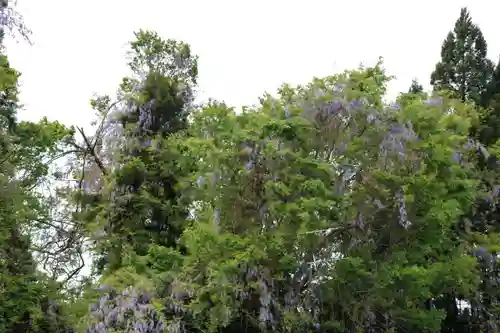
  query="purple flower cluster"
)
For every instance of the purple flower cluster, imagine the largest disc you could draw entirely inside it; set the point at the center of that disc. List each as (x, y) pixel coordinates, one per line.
(130, 311)
(457, 157)
(480, 253)
(253, 152)
(434, 101)
(340, 105)
(396, 137)
(478, 147)
(323, 111)
(486, 257)
(334, 107)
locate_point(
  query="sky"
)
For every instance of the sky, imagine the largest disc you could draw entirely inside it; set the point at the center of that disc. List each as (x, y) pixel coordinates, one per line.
(245, 47)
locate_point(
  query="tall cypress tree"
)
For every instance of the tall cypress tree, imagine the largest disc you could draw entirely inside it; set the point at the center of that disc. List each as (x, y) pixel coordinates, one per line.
(467, 73)
(464, 68)
(416, 87)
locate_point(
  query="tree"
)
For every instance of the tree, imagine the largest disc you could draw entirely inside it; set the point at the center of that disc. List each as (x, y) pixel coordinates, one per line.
(489, 131)
(482, 223)
(321, 209)
(416, 88)
(142, 205)
(26, 294)
(468, 74)
(11, 21)
(464, 68)
(465, 71)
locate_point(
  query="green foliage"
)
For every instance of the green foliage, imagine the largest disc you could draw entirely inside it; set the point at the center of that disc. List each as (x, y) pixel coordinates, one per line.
(171, 58)
(302, 203)
(489, 132)
(464, 68)
(8, 102)
(26, 296)
(142, 205)
(322, 209)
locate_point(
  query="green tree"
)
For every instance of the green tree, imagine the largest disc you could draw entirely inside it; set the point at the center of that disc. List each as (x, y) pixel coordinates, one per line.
(142, 201)
(25, 294)
(465, 71)
(321, 209)
(489, 131)
(464, 68)
(416, 88)
(482, 223)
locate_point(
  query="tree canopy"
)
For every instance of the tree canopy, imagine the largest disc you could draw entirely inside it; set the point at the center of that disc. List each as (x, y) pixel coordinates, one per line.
(324, 208)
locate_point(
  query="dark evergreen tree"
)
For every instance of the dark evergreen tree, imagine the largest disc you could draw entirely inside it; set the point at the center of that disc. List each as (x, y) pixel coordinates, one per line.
(468, 74)
(416, 88)
(489, 131)
(464, 68)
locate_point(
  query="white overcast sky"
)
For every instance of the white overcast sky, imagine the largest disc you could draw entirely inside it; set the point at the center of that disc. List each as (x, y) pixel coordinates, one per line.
(245, 47)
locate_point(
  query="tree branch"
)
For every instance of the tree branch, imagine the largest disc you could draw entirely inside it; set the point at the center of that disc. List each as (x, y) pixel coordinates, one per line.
(91, 150)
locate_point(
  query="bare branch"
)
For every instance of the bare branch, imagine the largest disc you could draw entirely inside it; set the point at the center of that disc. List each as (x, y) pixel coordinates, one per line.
(91, 150)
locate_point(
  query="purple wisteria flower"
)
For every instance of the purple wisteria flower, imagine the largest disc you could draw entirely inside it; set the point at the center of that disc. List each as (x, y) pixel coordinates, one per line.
(469, 144)
(128, 311)
(392, 143)
(438, 101)
(397, 136)
(355, 104)
(480, 148)
(249, 165)
(457, 157)
(339, 87)
(334, 107)
(397, 129)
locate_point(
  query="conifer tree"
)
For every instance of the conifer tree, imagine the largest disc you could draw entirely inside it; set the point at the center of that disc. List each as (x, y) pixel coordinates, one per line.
(416, 87)
(466, 72)
(464, 68)
(489, 132)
